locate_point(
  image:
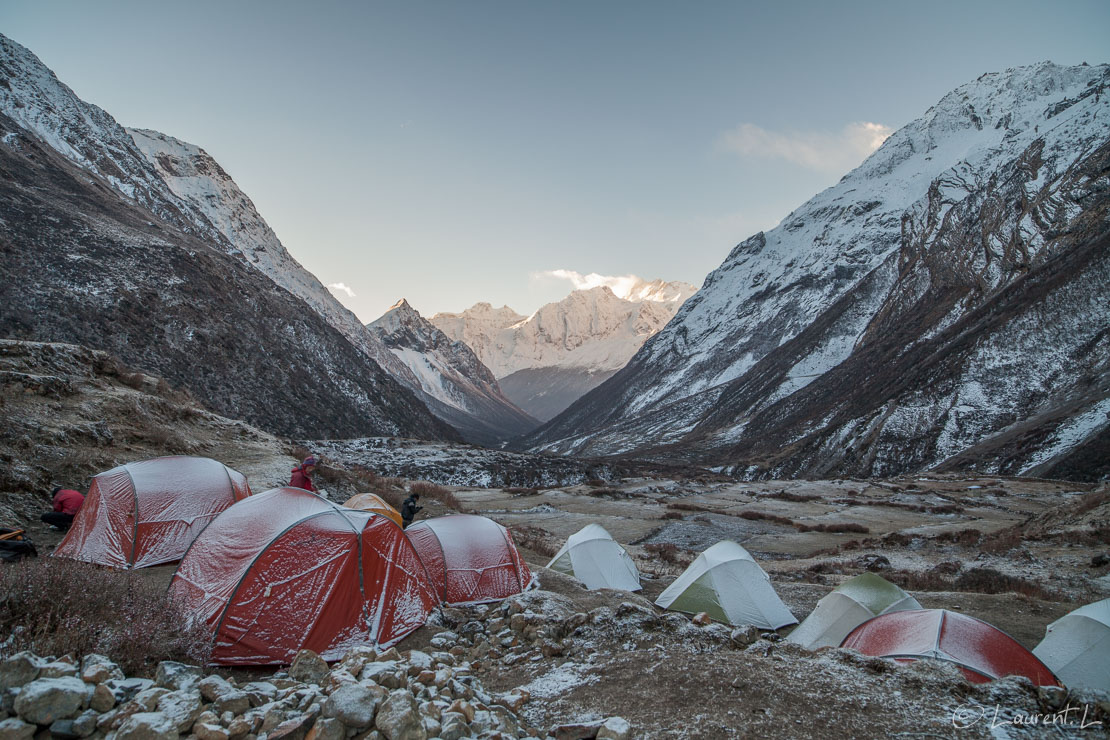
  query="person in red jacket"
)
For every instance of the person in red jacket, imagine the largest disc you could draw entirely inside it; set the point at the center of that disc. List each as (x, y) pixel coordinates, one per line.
(67, 503)
(302, 474)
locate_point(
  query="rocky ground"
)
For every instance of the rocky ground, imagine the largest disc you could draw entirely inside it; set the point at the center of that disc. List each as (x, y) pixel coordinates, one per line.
(1015, 552)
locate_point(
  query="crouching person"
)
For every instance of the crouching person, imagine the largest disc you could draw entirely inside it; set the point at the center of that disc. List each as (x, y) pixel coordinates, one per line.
(67, 503)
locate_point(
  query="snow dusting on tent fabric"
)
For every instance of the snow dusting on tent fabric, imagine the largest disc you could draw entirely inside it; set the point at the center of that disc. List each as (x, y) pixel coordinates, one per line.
(848, 606)
(374, 503)
(147, 513)
(726, 583)
(287, 570)
(592, 556)
(1076, 647)
(982, 652)
(470, 559)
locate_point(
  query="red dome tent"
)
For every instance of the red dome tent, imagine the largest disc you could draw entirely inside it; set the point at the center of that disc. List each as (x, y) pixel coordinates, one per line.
(982, 652)
(147, 513)
(287, 569)
(470, 559)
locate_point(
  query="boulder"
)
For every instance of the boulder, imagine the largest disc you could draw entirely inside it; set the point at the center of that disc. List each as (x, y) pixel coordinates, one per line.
(210, 731)
(702, 619)
(576, 731)
(308, 667)
(99, 668)
(85, 724)
(294, 728)
(21, 668)
(182, 708)
(176, 676)
(454, 727)
(14, 728)
(58, 669)
(615, 728)
(354, 705)
(399, 717)
(236, 702)
(743, 636)
(147, 726)
(326, 728)
(213, 687)
(45, 700)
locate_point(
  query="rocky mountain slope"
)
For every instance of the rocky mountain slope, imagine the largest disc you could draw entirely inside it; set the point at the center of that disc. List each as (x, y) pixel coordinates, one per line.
(944, 305)
(549, 359)
(450, 378)
(99, 250)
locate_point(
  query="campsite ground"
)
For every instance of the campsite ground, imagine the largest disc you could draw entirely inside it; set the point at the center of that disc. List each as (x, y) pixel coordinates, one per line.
(1014, 552)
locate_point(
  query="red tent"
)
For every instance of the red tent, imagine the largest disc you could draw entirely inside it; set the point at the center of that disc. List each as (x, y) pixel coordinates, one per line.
(470, 559)
(147, 513)
(981, 651)
(287, 569)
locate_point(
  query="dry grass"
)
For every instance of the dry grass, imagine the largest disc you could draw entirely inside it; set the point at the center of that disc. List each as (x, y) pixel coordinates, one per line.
(975, 580)
(536, 539)
(436, 493)
(57, 607)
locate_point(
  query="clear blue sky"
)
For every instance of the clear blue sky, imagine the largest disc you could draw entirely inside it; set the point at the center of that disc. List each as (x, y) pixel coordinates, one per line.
(448, 152)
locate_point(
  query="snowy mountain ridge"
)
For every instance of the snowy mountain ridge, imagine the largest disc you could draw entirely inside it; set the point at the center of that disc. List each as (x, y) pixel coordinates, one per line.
(908, 245)
(547, 360)
(460, 388)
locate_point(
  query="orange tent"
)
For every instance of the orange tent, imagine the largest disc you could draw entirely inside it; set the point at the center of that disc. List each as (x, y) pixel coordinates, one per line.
(470, 559)
(374, 503)
(147, 513)
(982, 652)
(286, 570)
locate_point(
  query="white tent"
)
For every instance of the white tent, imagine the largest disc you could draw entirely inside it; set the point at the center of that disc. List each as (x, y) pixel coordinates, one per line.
(726, 583)
(1076, 647)
(592, 556)
(850, 605)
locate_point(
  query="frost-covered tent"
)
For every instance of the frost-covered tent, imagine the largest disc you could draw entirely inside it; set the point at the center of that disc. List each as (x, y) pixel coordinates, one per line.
(470, 559)
(982, 652)
(287, 570)
(592, 556)
(726, 583)
(147, 513)
(374, 503)
(1076, 647)
(848, 606)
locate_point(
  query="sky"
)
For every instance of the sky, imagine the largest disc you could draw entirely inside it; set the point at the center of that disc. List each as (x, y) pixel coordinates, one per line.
(457, 152)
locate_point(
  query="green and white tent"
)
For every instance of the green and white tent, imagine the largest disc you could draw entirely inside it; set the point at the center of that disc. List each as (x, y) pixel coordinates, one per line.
(1076, 647)
(847, 607)
(592, 556)
(726, 583)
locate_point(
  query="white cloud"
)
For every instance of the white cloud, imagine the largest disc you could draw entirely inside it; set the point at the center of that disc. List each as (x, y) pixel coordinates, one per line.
(341, 288)
(621, 285)
(817, 150)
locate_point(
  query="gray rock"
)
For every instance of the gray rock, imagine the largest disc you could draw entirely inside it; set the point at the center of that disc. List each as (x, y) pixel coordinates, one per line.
(147, 726)
(308, 667)
(328, 728)
(375, 670)
(615, 728)
(744, 636)
(213, 687)
(85, 724)
(63, 728)
(210, 731)
(99, 668)
(148, 698)
(454, 727)
(58, 669)
(45, 700)
(14, 728)
(354, 705)
(236, 702)
(420, 660)
(182, 708)
(21, 668)
(399, 717)
(103, 698)
(128, 688)
(176, 676)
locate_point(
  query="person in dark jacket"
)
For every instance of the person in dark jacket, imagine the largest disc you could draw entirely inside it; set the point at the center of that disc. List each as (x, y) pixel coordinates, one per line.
(67, 503)
(302, 474)
(409, 509)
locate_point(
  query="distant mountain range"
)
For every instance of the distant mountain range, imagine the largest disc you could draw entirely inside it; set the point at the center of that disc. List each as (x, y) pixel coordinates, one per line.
(546, 361)
(946, 305)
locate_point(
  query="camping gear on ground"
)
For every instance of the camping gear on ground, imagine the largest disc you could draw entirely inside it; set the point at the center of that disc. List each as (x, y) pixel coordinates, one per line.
(592, 556)
(1076, 647)
(15, 545)
(287, 570)
(726, 583)
(147, 513)
(848, 606)
(375, 503)
(470, 559)
(982, 652)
